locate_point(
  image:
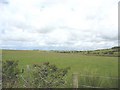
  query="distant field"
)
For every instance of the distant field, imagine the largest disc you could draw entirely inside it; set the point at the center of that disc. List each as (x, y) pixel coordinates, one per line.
(104, 66)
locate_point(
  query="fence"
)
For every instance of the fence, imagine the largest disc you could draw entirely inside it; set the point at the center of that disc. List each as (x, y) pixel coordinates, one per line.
(91, 81)
(47, 81)
(78, 80)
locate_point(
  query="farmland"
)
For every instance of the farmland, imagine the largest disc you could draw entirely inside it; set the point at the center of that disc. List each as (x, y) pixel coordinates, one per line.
(79, 63)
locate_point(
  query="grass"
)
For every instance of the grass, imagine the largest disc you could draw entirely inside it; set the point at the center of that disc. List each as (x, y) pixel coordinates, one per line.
(88, 79)
(105, 66)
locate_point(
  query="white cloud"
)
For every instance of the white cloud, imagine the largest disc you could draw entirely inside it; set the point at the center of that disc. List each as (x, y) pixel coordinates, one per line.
(59, 24)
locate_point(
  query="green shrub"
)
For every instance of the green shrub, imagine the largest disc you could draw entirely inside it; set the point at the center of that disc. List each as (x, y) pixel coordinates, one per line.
(10, 74)
(44, 75)
(49, 76)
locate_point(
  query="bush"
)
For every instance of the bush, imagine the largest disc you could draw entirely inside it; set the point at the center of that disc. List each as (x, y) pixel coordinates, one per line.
(10, 74)
(49, 76)
(44, 75)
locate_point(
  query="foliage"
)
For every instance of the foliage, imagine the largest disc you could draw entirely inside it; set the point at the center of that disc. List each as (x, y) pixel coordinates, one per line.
(101, 52)
(44, 75)
(10, 73)
(49, 76)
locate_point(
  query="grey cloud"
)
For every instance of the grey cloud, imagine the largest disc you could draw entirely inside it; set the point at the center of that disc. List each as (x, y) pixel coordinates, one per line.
(4, 1)
(94, 17)
(69, 28)
(110, 38)
(107, 37)
(21, 25)
(13, 39)
(45, 30)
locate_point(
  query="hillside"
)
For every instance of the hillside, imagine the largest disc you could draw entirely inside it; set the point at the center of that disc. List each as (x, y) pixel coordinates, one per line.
(114, 51)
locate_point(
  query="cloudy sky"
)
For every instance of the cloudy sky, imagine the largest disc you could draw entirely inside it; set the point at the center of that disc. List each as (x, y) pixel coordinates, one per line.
(58, 24)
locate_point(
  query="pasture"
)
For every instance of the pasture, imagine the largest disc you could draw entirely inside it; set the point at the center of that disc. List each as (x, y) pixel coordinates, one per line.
(102, 65)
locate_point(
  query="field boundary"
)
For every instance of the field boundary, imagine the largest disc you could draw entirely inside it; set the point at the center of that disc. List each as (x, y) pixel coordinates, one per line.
(100, 76)
(90, 86)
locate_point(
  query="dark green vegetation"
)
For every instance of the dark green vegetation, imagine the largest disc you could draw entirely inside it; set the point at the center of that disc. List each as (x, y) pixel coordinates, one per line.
(10, 74)
(38, 76)
(102, 52)
(90, 64)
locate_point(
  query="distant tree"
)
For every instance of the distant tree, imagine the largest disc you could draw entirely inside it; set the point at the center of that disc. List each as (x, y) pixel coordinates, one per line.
(116, 47)
(88, 52)
(105, 52)
(110, 52)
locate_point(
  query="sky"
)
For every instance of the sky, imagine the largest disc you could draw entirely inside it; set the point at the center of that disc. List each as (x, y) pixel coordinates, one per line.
(58, 24)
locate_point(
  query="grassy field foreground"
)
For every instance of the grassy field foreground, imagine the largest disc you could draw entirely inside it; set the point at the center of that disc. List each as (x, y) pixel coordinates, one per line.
(103, 66)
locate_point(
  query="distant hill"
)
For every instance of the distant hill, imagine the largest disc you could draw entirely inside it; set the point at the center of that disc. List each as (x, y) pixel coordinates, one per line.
(116, 47)
(114, 52)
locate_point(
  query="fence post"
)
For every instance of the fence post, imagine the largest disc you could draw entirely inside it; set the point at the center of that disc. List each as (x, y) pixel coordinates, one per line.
(28, 68)
(75, 80)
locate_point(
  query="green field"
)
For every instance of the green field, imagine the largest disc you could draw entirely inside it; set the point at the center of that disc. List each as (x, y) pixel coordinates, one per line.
(103, 65)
